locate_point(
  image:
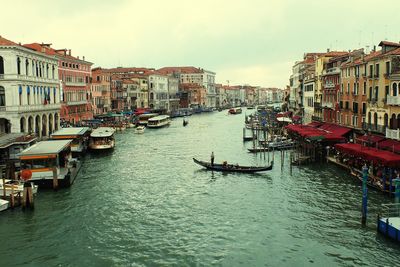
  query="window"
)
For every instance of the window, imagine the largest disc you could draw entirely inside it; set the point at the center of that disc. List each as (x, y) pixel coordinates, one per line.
(376, 70)
(365, 88)
(2, 97)
(370, 93)
(364, 108)
(18, 65)
(394, 89)
(386, 92)
(28, 94)
(347, 105)
(387, 71)
(1, 65)
(376, 92)
(26, 67)
(355, 107)
(371, 70)
(348, 88)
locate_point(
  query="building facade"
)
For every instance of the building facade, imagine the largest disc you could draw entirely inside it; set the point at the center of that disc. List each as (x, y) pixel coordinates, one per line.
(29, 90)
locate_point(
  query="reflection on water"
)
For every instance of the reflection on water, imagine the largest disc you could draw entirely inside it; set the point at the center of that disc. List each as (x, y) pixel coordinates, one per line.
(146, 203)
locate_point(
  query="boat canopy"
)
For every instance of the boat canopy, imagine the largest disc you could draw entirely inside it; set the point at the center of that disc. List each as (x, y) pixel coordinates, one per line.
(371, 154)
(45, 148)
(72, 131)
(102, 132)
(159, 118)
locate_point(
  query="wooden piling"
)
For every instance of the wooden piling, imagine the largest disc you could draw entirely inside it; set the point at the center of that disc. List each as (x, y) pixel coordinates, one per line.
(55, 178)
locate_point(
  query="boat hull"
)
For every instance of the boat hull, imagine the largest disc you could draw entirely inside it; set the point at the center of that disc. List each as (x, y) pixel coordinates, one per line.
(232, 168)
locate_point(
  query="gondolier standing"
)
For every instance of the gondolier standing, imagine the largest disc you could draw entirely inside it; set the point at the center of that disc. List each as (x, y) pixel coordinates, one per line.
(212, 158)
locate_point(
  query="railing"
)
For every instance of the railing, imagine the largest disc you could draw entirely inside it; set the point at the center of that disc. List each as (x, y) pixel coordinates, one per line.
(27, 78)
(374, 128)
(30, 108)
(316, 118)
(329, 85)
(76, 103)
(393, 100)
(393, 134)
(334, 70)
(327, 104)
(75, 83)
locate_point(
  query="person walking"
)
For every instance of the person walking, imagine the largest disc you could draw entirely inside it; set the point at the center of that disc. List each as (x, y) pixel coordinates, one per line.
(212, 158)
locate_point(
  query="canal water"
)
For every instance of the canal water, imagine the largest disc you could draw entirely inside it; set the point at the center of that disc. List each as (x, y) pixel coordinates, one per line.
(147, 204)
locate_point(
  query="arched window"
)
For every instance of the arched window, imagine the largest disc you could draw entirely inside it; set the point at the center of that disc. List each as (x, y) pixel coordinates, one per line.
(386, 120)
(1, 65)
(52, 72)
(26, 67)
(18, 65)
(394, 89)
(375, 120)
(369, 117)
(2, 97)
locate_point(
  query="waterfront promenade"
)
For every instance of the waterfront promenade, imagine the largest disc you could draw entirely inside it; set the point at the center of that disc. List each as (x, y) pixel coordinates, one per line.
(147, 204)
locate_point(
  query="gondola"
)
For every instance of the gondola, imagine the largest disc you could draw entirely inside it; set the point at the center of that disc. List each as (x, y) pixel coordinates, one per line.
(232, 168)
(185, 122)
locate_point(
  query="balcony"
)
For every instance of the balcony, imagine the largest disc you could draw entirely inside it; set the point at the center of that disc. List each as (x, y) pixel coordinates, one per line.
(81, 84)
(76, 103)
(329, 85)
(17, 77)
(374, 128)
(393, 134)
(316, 118)
(393, 100)
(327, 105)
(30, 108)
(334, 70)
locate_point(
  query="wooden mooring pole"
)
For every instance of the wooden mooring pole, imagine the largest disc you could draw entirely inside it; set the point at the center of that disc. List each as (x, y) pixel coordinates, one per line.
(364, 196)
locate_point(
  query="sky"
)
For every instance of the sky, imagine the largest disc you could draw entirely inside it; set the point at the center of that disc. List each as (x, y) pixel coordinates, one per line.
(252, 42)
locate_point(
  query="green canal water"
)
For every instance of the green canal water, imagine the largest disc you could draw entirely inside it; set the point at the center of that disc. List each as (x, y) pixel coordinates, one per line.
(147, 204)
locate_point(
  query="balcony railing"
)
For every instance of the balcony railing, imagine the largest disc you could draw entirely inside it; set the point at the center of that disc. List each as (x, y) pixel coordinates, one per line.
(393, 134)
(374, 128)
(20, 77)
(76, 103)
(329, 85)
(316, 118)
(30, 108)
(327, 104)
(75, 84)
(393, 100)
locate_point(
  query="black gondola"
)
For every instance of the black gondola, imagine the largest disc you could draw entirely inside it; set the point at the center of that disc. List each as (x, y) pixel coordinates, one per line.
(232, 168)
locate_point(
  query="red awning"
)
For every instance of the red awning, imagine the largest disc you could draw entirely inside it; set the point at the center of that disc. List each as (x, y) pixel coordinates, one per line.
(372, 139)
(330, 132)
(390, 145)
(315, 124)
(377, 156)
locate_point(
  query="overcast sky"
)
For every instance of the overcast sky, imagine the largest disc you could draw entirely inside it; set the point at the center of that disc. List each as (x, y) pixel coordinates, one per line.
(244, 41)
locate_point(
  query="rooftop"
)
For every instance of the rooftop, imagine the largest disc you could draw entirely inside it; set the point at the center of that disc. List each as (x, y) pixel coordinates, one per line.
(46, 148)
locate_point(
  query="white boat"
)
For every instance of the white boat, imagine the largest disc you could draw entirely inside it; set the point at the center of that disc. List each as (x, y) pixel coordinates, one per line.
(159, 121)
(51, 163)
(3, 204)
(102, 138)
(140, 129)
(79, 135)
(15, 186)
(144, 118)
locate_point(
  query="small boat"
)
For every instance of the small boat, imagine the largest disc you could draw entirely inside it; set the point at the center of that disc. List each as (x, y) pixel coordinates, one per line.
(225, 167)
(235, 111)
(283, 145)
(185, 123)
(3, 204)
(102, 138)
(140, 129)
(159, 121)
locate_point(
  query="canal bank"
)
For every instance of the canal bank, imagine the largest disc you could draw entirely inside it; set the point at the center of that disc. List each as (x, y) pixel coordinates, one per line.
(146, 203)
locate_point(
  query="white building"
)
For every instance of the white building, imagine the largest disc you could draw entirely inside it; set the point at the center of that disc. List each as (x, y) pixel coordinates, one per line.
(158, 91)
(29, 90)
(308, 100)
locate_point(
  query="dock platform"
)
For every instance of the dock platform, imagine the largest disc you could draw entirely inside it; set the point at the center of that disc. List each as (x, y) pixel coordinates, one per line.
(389, 221)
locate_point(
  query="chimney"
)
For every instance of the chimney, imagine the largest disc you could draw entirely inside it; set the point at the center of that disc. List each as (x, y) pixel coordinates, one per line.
(374, 48)
(69, 52)
(328, 50)
(83, 58)
(77, 57)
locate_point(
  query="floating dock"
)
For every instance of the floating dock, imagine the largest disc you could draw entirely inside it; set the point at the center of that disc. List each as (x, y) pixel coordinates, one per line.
(389, 221)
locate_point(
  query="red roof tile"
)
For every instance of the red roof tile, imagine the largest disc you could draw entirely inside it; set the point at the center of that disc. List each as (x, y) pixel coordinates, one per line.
(4, 41)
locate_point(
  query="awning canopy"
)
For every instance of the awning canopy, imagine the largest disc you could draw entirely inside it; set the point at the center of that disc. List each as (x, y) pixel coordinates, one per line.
(371, 139)
(390, 145)
(325, 131)
(377, 156)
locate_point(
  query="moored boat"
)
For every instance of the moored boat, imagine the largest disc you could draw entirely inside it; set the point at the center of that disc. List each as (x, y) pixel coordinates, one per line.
(159, 121)
(14, 186)
(3, 204)
(144, 118)
(79, 136)
(225, 167)
(102, 138)
(51, 163)
(235, 111)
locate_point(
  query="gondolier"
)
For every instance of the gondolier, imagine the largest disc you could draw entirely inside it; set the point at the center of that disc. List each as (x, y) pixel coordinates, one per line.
(212, 158)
